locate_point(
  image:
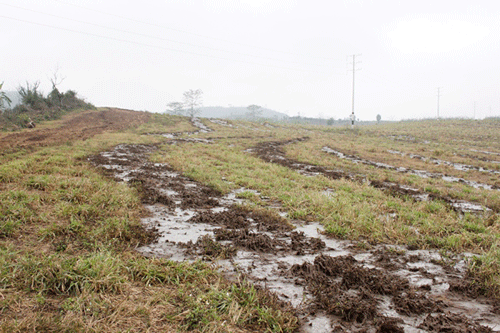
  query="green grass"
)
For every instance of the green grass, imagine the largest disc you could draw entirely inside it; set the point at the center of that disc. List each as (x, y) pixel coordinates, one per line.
(356, 210)
(68, 235)
(68, 232)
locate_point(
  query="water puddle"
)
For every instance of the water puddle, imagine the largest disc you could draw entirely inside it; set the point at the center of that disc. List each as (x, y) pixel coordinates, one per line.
(485, 152)
(335, 285)
(221, 122)
(456, 166)
(420, 173)
(272, 152)
(201, 126)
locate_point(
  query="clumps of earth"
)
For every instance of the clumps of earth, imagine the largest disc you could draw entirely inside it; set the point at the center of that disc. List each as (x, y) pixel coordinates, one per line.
(250, 230)
(335, 286)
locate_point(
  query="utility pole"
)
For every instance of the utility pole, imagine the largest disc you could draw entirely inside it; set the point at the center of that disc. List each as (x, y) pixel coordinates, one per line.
(474, 109)
(353, 77)
(438, 103)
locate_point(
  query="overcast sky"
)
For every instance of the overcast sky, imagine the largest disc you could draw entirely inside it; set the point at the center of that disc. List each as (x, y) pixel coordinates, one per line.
(292, 56)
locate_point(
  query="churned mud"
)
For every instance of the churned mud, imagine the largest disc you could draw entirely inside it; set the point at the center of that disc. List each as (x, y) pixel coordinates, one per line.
(420, 173)
(334, 285)
(272, 151)
(456, 166)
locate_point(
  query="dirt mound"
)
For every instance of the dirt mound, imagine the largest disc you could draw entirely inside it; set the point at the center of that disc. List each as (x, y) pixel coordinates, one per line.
(233, 218)
(75, 127)
(210, 249)
(249, 240)
(301, 243)
(356, 289)
(248, 230)
(452, 323)
(343, 287)
(240, 217)
(273, 152)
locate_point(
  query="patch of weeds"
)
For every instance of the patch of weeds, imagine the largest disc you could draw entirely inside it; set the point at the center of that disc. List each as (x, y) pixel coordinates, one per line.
(300, 214)
(434, 207)
(396, 251)
(474, 227)
(55, 274)
(250, 196)
(431, 189)
(39, 182)
(337, 230)
(207, 247)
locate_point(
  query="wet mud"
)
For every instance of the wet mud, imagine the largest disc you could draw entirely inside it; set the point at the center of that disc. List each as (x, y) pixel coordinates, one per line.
(334, 285)
(272, 152)
(420, 173)
(456, 166)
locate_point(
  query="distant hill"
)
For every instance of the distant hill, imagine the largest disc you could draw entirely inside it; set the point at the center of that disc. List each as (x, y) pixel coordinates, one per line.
(235, 112)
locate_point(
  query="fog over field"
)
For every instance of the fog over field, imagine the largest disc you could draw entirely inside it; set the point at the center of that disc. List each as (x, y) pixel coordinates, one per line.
(293, 57)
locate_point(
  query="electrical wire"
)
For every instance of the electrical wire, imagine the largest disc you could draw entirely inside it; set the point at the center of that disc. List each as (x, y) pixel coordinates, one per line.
(160, 38)
(187, 32)
(157, 46)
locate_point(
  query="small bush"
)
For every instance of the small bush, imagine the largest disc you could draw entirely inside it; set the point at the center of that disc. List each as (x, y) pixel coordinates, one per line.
(35, 107)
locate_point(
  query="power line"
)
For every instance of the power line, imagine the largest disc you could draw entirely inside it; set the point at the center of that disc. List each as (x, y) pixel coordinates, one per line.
(438, 95)
(160, 38)
(354, 69)
(156, 46)
(187, 32)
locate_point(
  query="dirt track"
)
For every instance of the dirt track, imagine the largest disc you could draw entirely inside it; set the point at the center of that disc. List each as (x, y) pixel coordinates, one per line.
(83, 126)
(335, 285)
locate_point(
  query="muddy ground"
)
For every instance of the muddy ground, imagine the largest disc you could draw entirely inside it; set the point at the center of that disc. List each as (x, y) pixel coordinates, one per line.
(272, 151)
(81, 127)
(334, 285)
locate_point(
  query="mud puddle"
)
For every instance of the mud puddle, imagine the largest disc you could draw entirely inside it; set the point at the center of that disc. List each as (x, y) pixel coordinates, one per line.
(485, 152)
(456, 166)
(221, 122)
(459, 205)
(273, 152)
(335, 285)
(420, 173)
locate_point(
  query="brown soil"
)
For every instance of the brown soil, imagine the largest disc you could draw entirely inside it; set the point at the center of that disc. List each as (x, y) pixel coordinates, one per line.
(80, 127)
(452, 323)
(345, 288)
(236, 223)
(272, 152)
(339, 286)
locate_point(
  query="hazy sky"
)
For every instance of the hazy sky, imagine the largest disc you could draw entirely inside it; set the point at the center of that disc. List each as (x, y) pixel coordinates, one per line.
(292, 56)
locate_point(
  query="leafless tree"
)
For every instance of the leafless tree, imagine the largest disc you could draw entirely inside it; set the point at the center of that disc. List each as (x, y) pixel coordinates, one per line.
(55, 96)
(193, 99)
(175, 108)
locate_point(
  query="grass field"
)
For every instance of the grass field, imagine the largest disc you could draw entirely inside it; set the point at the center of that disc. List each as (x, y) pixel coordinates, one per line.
(68, 232)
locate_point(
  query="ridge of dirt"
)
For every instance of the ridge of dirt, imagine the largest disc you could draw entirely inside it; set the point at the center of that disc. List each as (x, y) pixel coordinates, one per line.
(81, 126)
(334, 285)
(273, 152)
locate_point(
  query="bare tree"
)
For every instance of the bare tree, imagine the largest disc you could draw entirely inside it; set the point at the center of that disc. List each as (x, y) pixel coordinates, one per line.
(56, 78)
(175, 108)
(254, 111)
(379, 117)
(3, 98)
(193, 99)
(55, 96)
